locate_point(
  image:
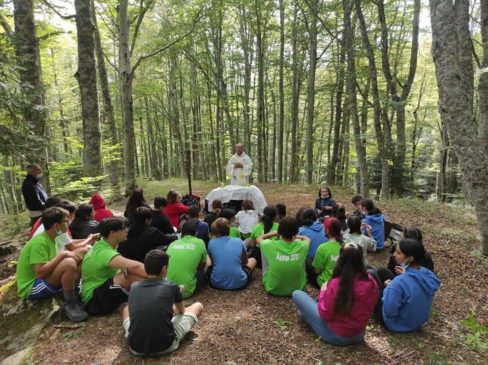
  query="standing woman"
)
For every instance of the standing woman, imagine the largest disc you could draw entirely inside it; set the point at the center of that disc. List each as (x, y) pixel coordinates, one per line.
(324, 203)
(136, 200)
(346, 301)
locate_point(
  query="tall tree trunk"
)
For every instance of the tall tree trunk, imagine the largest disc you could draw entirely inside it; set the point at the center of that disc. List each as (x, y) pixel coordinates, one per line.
(373, 75)
(126, 77)
(108, 110)
(351, 68)
(332, 168)
(247, 43)
(62, 122)
(281, 92)
(260, 36)
(33, 109)
(452, 52)
(295, 98)
(87, 79)
(313, 6)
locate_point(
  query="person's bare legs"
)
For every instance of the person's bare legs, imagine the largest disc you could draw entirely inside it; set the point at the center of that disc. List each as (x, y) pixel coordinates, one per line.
(209, 261)
(124, 282)
(125, 312)
(195, 309)
(251, 263)
(64, 274)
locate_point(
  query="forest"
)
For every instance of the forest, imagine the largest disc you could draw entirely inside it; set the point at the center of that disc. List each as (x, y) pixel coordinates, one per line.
(104, 93)
(383, 98)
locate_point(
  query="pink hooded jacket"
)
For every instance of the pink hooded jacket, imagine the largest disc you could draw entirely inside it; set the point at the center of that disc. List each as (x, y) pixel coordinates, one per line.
(366, 294)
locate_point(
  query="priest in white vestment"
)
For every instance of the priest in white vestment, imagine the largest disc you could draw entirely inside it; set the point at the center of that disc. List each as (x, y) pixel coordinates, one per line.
(239, 167)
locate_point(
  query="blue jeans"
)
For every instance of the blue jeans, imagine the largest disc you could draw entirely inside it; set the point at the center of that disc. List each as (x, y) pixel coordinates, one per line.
(308, 308)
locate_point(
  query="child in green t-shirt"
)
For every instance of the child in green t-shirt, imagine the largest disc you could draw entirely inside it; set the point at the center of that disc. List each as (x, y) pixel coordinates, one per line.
(328, 253)
(284, 259)
(267, 224)
(188, 257)
(230, 215)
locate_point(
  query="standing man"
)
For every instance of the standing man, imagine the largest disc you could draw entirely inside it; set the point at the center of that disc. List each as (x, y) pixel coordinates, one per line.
(239, 167)
(34, 194)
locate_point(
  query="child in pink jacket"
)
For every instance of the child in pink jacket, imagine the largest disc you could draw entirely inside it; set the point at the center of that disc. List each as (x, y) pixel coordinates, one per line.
(346, 301)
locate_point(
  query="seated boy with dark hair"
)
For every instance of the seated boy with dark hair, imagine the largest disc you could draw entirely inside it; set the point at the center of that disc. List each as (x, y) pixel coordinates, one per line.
(203, 231)
(107, 275)
(156, 320)
(42, 273)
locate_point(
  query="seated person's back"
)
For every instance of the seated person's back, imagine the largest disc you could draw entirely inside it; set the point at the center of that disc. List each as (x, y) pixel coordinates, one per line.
(143, 237)
(83, 225)
(149, 323)
(214, 214)
(203, 232)
(187, 255)
(101, 212)
(247, 218)
(159, 219)
(231, 268)
(175, 207)
(284, 259)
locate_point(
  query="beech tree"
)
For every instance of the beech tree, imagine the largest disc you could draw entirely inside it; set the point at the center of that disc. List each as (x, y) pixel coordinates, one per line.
(452, 51)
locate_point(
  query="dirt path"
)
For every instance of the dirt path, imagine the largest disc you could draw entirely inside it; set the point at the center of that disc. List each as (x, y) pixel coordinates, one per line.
(250, 326)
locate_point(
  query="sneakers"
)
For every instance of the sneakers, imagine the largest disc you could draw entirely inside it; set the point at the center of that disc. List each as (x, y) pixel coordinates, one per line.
(75, 312)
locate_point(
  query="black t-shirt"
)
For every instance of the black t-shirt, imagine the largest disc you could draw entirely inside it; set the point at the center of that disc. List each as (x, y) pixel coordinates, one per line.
(141, 239)
(82, 229)
(210, 218)
(162, 222)
(150, 312)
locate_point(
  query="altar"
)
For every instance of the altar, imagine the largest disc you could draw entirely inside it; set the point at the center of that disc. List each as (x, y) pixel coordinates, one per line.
(236, 194)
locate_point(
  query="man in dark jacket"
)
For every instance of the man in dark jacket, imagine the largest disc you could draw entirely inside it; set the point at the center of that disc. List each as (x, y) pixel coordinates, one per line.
(34, 194)
(143, 237)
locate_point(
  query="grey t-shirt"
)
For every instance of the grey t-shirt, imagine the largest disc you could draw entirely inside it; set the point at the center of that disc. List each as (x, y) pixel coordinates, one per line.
(150, 311)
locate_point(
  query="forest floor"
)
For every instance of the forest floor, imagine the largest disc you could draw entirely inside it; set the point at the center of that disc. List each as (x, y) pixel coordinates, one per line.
(250, 326)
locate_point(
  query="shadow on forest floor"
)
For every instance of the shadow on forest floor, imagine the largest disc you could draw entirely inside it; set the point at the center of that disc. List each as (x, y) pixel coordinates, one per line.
(251, 326)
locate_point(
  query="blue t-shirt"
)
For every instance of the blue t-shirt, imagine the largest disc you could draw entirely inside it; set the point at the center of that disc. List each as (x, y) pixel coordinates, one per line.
(227, 272)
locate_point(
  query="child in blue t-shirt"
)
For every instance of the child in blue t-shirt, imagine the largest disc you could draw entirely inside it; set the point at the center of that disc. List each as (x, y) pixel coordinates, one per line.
(230, 267)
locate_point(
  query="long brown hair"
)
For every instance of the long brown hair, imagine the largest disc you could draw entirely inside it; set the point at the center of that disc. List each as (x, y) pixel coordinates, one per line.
(349, 265)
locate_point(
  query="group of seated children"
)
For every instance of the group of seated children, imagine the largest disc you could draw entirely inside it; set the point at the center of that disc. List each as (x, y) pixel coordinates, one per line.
(129, 264)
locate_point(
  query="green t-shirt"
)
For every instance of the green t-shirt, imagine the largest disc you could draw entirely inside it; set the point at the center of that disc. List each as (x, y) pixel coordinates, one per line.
(39, 250)
(185, 255)
(326, 259)
(95, 269)
(234, 232)
(284, 266)
(259, 230)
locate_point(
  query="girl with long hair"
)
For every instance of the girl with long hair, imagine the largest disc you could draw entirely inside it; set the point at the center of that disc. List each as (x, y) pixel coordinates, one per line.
(346, 301)
(136, 200)
(407, 298)
(327, 254)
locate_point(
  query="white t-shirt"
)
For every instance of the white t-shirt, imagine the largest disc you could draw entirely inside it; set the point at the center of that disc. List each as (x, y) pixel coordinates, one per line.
(247, 220)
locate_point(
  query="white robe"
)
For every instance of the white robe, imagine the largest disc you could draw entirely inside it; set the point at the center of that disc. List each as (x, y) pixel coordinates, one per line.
(239, 176)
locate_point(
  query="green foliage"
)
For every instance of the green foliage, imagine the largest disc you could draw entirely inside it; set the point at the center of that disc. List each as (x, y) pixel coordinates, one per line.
(476, 337)
(68, 181)
(282, 324)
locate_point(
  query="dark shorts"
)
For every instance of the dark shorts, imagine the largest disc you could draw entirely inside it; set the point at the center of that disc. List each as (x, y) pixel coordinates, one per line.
(106, 298)
(41, 290)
